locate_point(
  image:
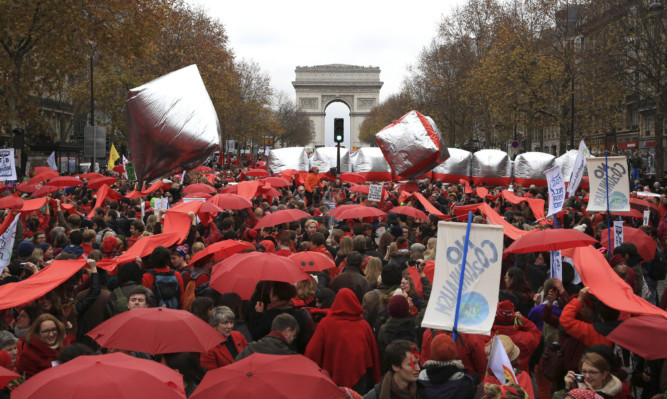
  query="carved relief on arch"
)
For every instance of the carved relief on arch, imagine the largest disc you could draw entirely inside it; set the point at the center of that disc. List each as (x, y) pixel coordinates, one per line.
(347, 99)
(365, 102)
(308, 102)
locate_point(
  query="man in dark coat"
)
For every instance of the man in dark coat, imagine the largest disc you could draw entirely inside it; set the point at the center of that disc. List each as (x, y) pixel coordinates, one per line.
(352, 278)
(284, 329)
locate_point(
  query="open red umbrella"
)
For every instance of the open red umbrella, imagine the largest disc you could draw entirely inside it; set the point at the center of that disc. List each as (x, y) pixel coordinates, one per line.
(119, 169)
(11, 202)
(44, 169)
(645, 244)
(44, 190)
(640, 205)
(641, 334)
(280, 217)
(230, 201)
(202, 168)
(341, 208)
(64, 181)
(156, 330)
(199, 195)
(27, 188)
(111, 376)
(409, 211)
(257, 172)
(6, 376)
(351, 177)
(313, 262)
(198, 187)
(196, 207)
(222, 250)
(276, 181)
(360, 211)
(633, 213)
(100, 181)
(240, 273)
(42, 177)
(549, 240)
(260, 376)
(267, 190)
(91, 176)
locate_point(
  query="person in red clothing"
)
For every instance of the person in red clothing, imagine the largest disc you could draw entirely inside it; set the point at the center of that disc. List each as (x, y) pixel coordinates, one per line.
(222, 319)
(514, 355)
(523, 332)
(284, 244)
(344, 345)
(581, 330)
(136, 232)
(164, 282)
(469, 347)
(41, 346)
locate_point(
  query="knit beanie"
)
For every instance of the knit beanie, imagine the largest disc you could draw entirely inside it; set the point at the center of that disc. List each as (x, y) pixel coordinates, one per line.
(398, 307)
(25, 249)
(616, 259)
(443, 348)
(505, 312)
(182, 250)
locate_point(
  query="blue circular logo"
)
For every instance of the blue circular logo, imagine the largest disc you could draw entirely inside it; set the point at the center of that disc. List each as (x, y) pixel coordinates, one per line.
(474, 309)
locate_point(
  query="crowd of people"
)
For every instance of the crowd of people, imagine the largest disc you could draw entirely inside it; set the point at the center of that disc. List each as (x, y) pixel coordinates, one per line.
(360, 322)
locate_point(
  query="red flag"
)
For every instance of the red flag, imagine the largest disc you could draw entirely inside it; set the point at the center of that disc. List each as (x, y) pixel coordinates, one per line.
(468, 190)
(237, 161)
(221, 157)
(229, 160)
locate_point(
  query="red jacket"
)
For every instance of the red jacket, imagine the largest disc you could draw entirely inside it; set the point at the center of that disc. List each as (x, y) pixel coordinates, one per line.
(148, 280)
(35, 357)
(470, 350)
(220, 356)
(344, 344)
(525, 335)
(578, 329)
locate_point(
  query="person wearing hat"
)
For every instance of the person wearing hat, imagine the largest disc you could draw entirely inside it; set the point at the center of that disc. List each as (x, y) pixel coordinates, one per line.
(521, 330)
(514, 356)
(444, 376)
(400, 324)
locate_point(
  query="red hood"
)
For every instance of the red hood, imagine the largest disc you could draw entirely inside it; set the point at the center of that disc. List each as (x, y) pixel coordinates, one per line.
(346, 305)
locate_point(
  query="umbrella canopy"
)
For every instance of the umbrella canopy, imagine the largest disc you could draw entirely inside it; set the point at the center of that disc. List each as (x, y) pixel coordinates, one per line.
(240, 273)
(221, 250)
(283, 376)
(639, 204)
(119, 168)
(26, 188)
(410, 211)
(633, 213)
(112, 376)
(640, 335)
(313, 262)
(196, 207)
(645, 244)
(202, 168)
(276, 181)
(230, 201)
(257, 172)
(44, 169)
(198, 187)
(42, 177)
(11, 202)
(91, 176)
(44, 190)
(156, 330)
(549, 240)
(351, 177)
(279, 217)
(6, 376)
(100, 181)
(360, 211)
(341, 208)
(64, 181)
(198, 195)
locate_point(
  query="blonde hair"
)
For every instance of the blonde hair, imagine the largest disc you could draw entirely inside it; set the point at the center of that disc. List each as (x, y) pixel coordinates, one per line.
(309, 222)
(373, 271)
(196, 247)
(431, 247)
(306, 289)
(493, 391)
(391, 251)
(346, 246)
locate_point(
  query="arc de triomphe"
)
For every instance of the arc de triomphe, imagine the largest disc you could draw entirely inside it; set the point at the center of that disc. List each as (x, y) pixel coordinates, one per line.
(357, 87)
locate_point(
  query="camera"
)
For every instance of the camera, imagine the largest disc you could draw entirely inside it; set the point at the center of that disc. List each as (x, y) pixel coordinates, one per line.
(579, 377)
(23, 265)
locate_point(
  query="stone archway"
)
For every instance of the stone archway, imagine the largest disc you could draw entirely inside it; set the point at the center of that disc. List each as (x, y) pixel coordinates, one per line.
(357, 87)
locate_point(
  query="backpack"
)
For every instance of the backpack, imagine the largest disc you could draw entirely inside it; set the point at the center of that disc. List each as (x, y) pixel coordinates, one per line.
(120, 304)
(166, 289)
(407, 332)
(656, 269)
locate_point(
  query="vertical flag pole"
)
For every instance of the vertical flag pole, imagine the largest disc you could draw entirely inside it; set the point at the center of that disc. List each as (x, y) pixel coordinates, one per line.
(463, 270)
(606, 176)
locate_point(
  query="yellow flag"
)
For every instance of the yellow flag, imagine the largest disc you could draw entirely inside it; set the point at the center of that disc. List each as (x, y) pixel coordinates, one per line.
(113, 155)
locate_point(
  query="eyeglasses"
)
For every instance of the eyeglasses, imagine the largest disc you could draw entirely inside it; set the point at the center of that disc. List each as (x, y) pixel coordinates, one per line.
(49, 332)
(591, 372)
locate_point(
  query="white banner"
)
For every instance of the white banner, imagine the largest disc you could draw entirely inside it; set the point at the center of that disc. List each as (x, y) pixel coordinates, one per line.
(556, 190)
(578, 169)
(499, 363)
(51, 161)
(618, 233)
(556, 265)
(481, 281)
(647, 214)
(375, 192)
(7, 243)
(619, 187)
(7, 164)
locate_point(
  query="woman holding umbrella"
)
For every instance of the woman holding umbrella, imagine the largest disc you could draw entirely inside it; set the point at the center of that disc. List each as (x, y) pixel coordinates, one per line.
(222, 319)
(41, 346)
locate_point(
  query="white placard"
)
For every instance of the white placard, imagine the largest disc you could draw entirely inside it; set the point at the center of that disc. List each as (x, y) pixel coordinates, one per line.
(556, 265)
(7, 243)
(375, 192)
(647, 214)
(481, 281)
(619, 187)
(556, 190)
(618, 233)
(578, 169)
(267, 150)
(7, 164)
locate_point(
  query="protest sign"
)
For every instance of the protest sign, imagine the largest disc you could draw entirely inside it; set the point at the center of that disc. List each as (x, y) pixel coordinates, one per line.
(7, 164)
(647, 214)
(619, 188)
(556, 190)
(375, 192)
(578, 169)
(129, 169)
(500, 364)
(7, 241)
(556, 265)
(51, 161)
(618, 233)
(481, 278)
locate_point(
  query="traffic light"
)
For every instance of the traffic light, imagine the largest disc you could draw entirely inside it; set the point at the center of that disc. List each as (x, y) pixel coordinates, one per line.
(339, 130)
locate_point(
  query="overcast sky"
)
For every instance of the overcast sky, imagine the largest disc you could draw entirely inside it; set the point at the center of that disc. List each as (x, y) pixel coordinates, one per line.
(281, 35)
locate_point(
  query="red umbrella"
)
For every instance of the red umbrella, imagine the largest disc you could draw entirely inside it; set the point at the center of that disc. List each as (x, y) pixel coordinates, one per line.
(45, 169)
(645, 244)
(156, 330)
(44, 190)
(276, 181)
(198, 187)
(196, 207)
(11, 202)
(360, 211)
(351, 177)
(276, 376)
(100, 181)
(633, 213)
(6, 376)
(26, 188)
(119, 169)
(202, 168)
(549, 240)
(42, 177)
(111, 376)
(270, 191)
(240, 273)
(409, 211)
(640, 335)
(313, 262)
(280, 217)
(257, 172)
(91, 176)
(222, 250)
(341, 208)
(198, 195)
(230, 201)
(64, 181)
(641, 204)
